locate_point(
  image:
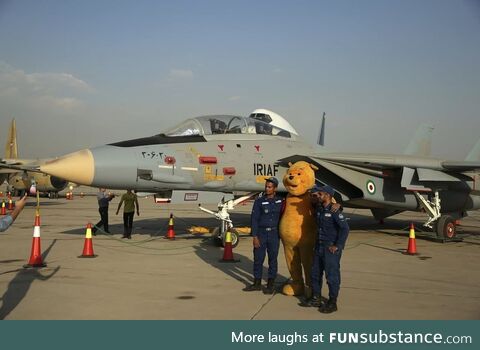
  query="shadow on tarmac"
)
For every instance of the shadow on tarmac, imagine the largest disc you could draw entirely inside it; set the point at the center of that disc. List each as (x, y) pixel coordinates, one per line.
(42, 204)
(242, 270)
(18, 287)
(158, 227)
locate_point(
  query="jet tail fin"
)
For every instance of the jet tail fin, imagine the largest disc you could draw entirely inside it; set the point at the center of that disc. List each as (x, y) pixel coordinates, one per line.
(421, 143)
(321, 136)
(11, 148)
(474, 154)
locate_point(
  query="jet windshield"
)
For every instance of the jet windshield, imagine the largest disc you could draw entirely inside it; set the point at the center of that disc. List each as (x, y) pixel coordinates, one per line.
(224, 124)
(187, 128)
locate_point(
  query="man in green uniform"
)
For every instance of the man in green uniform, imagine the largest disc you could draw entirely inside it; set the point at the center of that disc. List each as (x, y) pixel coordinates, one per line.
(131, 201)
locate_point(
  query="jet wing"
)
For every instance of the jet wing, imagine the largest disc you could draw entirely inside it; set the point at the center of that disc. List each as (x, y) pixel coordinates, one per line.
(381, 161)
(349, 172)
(7, 171)
(15, 161)
(11, 168)
(385, 161)
(461, 166)
(22, 164)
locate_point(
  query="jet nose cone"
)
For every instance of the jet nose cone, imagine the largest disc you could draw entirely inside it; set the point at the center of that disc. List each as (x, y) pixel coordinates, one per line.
(78, 167)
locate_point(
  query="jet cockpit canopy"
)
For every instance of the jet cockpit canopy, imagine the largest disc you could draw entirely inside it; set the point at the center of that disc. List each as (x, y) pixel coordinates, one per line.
(225, 124)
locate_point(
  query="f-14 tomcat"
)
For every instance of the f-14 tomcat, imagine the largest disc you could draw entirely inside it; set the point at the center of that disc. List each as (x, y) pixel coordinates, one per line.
(229, 153)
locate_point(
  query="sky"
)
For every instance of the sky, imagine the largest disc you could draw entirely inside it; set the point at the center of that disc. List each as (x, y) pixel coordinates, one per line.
(76, 74)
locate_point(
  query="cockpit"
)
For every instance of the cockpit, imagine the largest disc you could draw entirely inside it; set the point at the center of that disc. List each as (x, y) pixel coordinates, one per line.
(225, 124)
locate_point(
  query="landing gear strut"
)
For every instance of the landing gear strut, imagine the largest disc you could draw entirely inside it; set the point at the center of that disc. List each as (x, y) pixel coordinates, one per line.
(443, 225)
(226, 225)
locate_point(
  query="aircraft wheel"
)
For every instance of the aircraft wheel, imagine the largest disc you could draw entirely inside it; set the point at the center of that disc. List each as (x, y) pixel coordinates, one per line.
(235, 239)
(220, 239)
(446, 228)
(217, 239)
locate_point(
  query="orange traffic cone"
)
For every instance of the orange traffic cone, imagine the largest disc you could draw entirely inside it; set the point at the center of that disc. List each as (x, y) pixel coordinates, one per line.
(412, 245)
(10, 204)
(170, 231)
(36, 253)
(227, 250)
(4, 210)
(88, 246)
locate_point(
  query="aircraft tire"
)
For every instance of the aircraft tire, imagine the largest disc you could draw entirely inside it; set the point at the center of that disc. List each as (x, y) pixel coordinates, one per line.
(220, 240)
(217, 239)
(445, 227)
(235, 238)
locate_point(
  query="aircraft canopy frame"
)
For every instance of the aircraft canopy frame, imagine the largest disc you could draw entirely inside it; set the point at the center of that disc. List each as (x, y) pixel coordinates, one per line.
(225, 124)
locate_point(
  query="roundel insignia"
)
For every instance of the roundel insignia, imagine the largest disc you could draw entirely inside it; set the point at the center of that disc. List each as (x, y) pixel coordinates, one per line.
(371, 187)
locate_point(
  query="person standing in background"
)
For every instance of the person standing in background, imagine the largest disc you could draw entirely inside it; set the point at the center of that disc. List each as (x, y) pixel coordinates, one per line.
(103, 202)
(131, 201)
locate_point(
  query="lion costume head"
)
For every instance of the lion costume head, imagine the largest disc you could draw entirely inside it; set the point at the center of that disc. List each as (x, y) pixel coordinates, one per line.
(299, 178)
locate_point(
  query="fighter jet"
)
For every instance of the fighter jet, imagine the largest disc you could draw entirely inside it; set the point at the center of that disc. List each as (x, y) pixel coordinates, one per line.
(227, 153)
(21, 180)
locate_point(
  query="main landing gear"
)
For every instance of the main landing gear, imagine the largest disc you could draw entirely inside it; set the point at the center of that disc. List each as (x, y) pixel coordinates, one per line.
(226, 225)
(442, 224)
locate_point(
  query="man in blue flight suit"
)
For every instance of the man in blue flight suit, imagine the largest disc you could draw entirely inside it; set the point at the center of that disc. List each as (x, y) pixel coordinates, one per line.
(265, 221)
(332, 235)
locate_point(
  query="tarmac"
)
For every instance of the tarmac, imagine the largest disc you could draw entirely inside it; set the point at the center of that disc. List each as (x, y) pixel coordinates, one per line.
(149, 277)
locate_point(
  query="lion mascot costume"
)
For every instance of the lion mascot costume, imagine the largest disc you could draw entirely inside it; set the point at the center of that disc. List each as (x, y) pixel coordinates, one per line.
(297, 226)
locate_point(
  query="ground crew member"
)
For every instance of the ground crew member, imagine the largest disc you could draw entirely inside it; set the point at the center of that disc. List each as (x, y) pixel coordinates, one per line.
(265, 220)
(103, 201)
(131, 202)
(332, 235)
(8, 220)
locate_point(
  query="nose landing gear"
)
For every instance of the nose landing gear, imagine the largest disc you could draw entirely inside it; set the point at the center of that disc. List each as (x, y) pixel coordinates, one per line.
(219, 233)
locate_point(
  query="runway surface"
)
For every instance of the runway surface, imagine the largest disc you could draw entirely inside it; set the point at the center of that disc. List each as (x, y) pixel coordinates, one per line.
(149, 277)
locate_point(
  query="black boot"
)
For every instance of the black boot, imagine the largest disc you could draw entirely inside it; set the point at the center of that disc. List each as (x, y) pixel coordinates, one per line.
(270, 288)
(257, 285)
(329, 307)
(313, 301)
